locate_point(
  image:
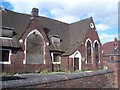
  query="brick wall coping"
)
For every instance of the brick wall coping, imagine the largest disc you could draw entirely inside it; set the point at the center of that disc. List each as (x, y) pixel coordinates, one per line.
(44, 79)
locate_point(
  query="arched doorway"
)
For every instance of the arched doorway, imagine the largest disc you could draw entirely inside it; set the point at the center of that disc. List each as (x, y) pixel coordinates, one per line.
(77, 60)
(34, 48)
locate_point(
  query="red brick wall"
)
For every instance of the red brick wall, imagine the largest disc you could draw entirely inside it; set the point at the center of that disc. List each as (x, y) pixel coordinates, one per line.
(97, 79)
(98, 82)
(103, 80)
(65, 63)
(115, 66)
(92, 34)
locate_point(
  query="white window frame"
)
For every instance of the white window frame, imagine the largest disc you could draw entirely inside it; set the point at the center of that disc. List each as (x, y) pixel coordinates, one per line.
(91, 51)
(9, 61)
(52, 55)
(98, 48)
(6, 38)
(37, 32)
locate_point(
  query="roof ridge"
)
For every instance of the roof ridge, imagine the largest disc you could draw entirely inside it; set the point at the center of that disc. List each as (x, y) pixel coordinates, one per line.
(50, 18)
(81, 20)
(38, 16)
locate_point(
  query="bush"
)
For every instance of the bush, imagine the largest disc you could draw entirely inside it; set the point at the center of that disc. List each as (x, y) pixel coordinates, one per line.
(105, 67)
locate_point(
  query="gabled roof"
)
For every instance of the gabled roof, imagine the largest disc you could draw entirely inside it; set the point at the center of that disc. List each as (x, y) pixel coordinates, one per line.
(77, 32)
(71, 34)
(76, 35)
(109, 47)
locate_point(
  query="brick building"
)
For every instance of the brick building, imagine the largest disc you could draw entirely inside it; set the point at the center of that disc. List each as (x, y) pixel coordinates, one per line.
(111, 50)
(32, 43)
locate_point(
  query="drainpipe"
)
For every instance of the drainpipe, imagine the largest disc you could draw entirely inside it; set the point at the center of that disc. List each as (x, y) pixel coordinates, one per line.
(17, 54)
(68, 63)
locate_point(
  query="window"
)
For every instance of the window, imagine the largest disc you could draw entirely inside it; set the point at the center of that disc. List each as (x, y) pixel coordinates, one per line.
(56, 58)
(5, 59)
(35, 48)
(96, 52)
(89, 56)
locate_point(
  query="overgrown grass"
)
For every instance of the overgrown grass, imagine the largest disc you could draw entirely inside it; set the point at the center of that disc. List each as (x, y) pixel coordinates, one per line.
(105, 67)
(6, 74)
(57, 70)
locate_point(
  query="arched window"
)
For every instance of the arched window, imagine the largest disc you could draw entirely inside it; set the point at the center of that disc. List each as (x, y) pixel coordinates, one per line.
(34, 48)
(96, 50)
(89, 54)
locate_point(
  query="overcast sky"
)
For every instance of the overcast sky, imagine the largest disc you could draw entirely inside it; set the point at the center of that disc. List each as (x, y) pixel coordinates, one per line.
(104, 12)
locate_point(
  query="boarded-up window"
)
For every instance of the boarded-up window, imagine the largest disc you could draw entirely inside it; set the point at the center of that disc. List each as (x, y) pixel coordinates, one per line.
(89, 58)
(34, 49)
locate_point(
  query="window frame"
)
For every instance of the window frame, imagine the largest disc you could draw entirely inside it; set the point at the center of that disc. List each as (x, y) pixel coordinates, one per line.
(6, 38)
(25, 43)
(52, 55)
(9, 61)
(91, 51)
(98, 49)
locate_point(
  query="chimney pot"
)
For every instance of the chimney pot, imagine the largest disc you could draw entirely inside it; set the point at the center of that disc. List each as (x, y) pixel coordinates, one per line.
(34, 12)
(115, 41)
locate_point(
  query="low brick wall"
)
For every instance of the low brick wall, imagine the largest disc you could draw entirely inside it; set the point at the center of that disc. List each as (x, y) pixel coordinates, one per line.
(96, 79)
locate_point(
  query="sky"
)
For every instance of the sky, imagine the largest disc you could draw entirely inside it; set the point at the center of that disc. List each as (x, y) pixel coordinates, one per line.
(103, 12)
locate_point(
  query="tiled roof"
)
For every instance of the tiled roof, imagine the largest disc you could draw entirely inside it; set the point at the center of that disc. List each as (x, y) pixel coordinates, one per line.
(70, 33)
(109, 47)
(7, 42)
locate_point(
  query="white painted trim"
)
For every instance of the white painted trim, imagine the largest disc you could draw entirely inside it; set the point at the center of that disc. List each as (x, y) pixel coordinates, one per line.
(98, 48)
(21, 41)
(36, 32)
(6, 38)
(91, 51)
(91, 25)
(95, 42)
(77, 54)
(52, 55)
(87, 41)
(47, 43)
(56, 62)
(10, 53)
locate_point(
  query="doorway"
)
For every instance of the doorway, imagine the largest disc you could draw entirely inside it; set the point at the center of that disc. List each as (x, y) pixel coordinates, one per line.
(77, 60)
(76, 64)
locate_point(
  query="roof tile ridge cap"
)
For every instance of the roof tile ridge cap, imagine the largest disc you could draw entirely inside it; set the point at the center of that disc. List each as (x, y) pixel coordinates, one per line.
(15, 12)
(82, 20)
(108, 42)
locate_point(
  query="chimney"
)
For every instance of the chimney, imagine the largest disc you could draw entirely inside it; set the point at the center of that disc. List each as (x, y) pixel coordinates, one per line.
(115, 45)
(34, 12)
(115, 41)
